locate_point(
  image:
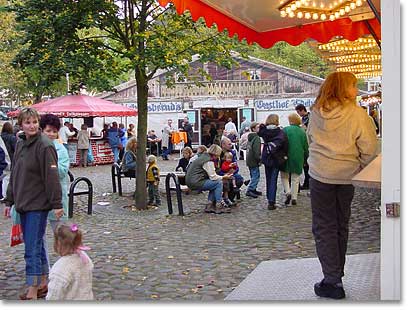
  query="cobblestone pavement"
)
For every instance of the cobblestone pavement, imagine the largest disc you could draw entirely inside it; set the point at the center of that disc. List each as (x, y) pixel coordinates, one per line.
(149, 255)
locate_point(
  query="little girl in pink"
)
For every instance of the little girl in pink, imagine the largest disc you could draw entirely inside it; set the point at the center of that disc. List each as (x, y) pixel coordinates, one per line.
(71, 276)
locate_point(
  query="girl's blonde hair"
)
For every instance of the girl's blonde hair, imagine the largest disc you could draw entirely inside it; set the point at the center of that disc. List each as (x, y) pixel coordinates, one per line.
(333, 91)
(215, 149)
(67, 238)
(151, 159)
(187, 150)
(272, 119)
(201, 149)
(294, 119)
(228, 155)
(131, 144)
(27, 113)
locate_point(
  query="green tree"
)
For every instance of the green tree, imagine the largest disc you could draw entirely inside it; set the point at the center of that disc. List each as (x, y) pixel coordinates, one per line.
(12, 80)
(60, 35)
(302, 57)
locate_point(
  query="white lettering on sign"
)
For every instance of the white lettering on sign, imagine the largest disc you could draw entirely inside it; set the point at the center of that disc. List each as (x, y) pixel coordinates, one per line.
(282, 104)
(156, 107)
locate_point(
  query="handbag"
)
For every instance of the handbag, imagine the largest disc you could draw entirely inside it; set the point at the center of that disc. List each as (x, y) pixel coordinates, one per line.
(16, 235)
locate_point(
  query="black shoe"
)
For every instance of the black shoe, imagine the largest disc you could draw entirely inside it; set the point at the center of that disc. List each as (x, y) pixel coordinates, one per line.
(294, 203)
(236, 190)
(272, 206)
(334, 291)
(247, 182)
(229, 203)
(251, 194)
(257, 192)
(288, 198)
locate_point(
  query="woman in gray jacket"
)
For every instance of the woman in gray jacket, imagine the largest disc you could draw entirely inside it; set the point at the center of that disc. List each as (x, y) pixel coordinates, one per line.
(342, 140)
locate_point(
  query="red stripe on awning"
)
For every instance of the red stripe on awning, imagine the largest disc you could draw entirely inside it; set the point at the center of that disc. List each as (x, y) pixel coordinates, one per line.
(322, 32)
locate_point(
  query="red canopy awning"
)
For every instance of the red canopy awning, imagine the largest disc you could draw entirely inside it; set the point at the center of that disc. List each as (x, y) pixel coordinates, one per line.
(79, 106)
(260, 22)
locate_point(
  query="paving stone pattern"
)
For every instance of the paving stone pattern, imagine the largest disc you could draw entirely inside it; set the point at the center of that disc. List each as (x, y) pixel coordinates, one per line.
(150, 255)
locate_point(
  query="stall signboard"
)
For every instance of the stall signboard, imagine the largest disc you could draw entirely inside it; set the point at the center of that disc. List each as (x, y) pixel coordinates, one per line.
(159, 107)
(282, 104)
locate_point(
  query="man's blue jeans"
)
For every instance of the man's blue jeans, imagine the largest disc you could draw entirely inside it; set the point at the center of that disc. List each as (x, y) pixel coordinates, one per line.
(167, 151)
(255, 176)
(34, 225)
(271, 182)
(116, 153)
(215, 190)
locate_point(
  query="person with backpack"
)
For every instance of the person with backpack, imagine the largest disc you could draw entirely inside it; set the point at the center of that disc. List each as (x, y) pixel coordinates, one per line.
(274, 155)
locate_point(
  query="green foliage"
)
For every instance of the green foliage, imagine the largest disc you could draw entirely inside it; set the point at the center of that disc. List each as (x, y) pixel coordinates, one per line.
(12, 81)
(301, 57)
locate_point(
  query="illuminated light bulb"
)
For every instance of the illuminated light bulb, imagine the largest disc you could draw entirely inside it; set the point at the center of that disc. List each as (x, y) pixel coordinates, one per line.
(347, 9)
(283, 13)
(300, 15)
(314, 4)
(352, 5)
(315, 16)
(359, 2)
(291, 14)
(288, 10)
(323, 16)
(337, 14)
(293, 7)
(322, 5)
(308, 15)
(332, 17)
(342, 12)
(298, 4)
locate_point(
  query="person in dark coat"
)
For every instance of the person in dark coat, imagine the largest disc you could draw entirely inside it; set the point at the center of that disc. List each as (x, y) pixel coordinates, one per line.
(275, 138)
(253, 160)
(9, 139)
(187, 127)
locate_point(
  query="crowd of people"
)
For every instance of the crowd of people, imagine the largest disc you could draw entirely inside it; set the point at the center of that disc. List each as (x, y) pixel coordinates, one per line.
(330, 145)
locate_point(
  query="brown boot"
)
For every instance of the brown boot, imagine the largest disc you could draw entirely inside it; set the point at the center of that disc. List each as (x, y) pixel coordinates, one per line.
(221, 207)
(210, 208)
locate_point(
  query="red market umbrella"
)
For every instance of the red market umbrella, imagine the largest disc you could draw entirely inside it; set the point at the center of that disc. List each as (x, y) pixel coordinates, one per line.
(79, 106)
(260, 21)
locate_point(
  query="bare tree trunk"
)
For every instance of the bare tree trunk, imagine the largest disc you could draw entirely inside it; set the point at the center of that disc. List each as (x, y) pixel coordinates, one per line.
(140, 194)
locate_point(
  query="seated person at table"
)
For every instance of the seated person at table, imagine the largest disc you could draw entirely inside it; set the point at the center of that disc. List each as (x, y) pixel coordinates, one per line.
(129, 162)
(184, 161)
(233, 136)
(153, 142)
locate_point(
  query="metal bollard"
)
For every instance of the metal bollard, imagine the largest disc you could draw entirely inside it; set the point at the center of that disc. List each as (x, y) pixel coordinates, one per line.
(177, 190)
(71, 195)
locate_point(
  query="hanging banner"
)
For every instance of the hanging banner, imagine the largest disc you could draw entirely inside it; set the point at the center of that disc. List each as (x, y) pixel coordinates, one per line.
(282, 104)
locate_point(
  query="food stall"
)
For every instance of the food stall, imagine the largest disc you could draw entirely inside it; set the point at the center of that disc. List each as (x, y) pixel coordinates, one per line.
(88, 108)
(295, 21)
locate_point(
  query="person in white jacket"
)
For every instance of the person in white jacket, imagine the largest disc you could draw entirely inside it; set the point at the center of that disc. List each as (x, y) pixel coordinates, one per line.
(71, 276)
(342, 141)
